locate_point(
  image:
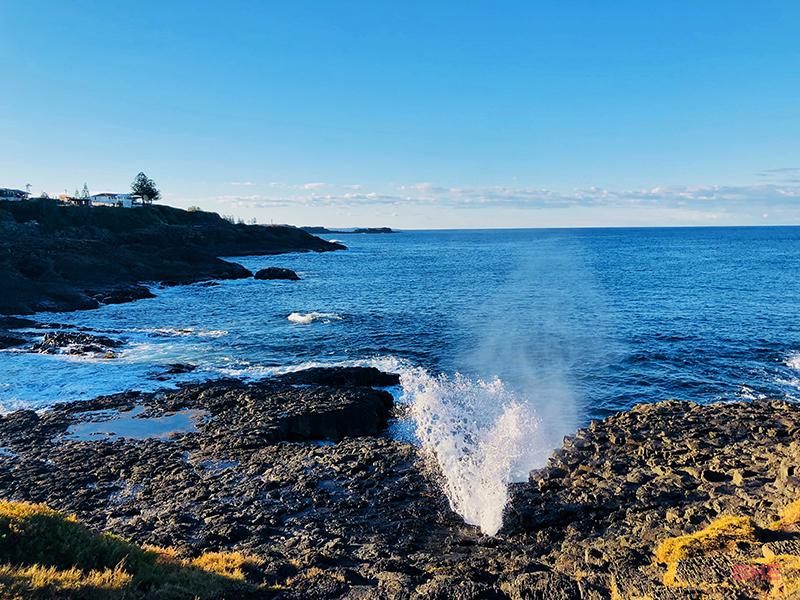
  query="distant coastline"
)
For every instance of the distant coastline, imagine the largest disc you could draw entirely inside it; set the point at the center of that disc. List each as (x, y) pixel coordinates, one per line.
(325, 230)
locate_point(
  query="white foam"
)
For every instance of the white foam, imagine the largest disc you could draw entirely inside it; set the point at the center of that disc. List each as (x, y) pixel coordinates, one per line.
(305, 318)
(183, 332)
(480, 436)
(793, 362)
(748, 393)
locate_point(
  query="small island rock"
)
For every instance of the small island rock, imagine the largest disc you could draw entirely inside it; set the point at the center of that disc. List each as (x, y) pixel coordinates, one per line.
(276, 273)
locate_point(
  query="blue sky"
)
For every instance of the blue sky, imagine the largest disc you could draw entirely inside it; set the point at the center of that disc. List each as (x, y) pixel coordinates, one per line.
(413, 114)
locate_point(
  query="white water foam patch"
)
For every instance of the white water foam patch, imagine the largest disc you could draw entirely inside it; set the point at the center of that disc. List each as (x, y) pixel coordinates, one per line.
(306, 318)
(793, 362)
(481, 437)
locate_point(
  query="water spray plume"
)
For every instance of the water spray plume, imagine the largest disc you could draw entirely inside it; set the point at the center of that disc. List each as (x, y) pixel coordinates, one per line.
(478, 433)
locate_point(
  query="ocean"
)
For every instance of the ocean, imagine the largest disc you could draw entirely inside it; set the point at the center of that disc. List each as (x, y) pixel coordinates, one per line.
(576, 323)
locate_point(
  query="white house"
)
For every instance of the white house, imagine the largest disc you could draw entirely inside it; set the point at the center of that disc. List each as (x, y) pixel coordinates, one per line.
(111, 199)
(13, 195)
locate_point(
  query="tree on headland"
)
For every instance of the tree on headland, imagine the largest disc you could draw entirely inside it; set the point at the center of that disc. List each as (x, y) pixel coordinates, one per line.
(146, 188)
(84, 192)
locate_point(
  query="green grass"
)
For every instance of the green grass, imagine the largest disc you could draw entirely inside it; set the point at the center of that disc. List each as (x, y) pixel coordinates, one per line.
(53, 217)
(45, 554)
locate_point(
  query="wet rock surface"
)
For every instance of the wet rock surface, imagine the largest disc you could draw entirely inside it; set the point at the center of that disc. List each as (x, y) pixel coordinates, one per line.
(276, 273)
(120, 295)
(10, 337)
(76, 343)
(16, 323)
(306, 477)
(341, 377)
(179, 368)
(11, 340)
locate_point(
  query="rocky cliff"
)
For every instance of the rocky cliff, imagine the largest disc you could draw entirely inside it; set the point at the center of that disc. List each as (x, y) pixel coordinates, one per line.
(56, 257)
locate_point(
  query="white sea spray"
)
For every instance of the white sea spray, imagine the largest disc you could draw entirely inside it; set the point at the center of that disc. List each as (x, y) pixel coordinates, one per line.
(478, 434)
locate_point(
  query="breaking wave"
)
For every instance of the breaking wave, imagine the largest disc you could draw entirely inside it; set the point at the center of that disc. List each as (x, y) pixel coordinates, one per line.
(793, 362)
(176, 332)
(480, 436)
(305, 318)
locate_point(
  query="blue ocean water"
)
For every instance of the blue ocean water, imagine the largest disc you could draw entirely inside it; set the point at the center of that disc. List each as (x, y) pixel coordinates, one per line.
(586, 322)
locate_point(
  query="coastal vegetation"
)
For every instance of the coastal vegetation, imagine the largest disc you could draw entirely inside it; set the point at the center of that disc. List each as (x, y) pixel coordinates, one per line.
(763, 562)
(46, 553)
(145, 188)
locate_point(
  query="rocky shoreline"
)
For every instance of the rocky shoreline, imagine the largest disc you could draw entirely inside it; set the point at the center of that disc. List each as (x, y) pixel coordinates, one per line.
(63, 258)
(301, 472)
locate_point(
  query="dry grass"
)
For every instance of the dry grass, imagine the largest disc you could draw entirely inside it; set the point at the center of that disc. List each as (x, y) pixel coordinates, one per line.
(44, 552)
(779, 573)
(721, 534)
(788, 517)
(312, 573)
(232, 565)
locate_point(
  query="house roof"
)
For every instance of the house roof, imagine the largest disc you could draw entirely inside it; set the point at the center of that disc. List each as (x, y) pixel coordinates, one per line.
(114, 195)
(12, 192)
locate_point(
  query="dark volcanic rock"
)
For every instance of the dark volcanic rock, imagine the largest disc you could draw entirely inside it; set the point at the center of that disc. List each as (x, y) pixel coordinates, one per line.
(70, 342)
(7, 340)
(179, 368)
(17, 323)
(175, 369)
(276, 273)
(74, 255)
(269, 412)
(341, 377)
(363, 515)
(123, 294)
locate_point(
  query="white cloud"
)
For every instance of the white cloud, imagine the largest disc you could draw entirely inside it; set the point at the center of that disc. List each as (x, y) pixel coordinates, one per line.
(314, 186)
(242, 183)
(709, 199)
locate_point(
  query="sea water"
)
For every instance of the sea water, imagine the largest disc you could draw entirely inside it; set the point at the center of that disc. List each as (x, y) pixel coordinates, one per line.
(506, 339)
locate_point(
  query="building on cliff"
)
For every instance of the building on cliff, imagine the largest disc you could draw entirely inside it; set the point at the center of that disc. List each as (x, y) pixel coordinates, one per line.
(112, 199)
(13, 195)
(75, 201)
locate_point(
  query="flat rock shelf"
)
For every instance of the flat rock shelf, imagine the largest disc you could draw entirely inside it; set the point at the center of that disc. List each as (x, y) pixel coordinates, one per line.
(302, 473)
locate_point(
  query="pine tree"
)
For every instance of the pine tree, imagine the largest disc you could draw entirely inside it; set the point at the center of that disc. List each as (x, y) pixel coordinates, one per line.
(146, 188)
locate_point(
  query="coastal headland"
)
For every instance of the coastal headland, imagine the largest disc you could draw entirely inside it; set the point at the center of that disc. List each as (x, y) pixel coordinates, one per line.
(60, 258)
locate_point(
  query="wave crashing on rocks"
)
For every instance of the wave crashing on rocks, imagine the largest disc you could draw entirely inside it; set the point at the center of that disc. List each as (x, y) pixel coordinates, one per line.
(480, 436)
